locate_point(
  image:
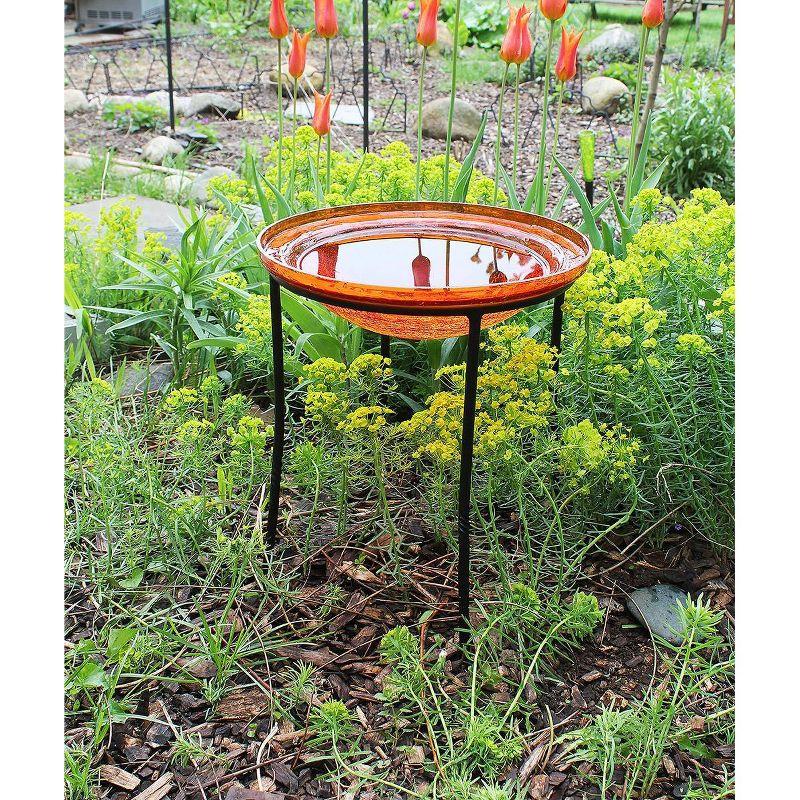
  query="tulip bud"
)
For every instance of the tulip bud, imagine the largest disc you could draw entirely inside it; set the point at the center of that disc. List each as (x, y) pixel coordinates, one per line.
(321, 122)
(517, 43)
(426, 26)
(297, 54)
(567, 64)
(325, 19)
(553, 9)
(278, 24)
(653, 13)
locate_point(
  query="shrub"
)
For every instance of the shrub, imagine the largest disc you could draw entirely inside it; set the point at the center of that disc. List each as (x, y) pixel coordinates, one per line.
(133, 117)
(622, 72)
(695, 132)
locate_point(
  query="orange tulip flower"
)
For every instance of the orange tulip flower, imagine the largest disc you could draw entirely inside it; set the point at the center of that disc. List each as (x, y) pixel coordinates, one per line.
(297, 54)
(426, 26)
(325, 19)
(321, 123)
(278, 24)
(567, 64)
(653, 13)
(517, 43)
(553, 9)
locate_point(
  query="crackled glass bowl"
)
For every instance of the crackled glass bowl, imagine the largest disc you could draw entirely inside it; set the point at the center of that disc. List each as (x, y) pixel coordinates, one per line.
(414, 270)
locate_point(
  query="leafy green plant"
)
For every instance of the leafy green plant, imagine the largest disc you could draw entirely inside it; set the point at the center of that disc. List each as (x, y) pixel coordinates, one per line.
(695, 132)
(621, 71)
(134, 116)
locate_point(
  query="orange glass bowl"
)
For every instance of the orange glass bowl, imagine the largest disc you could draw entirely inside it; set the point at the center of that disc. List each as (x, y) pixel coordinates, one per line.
(414, 270)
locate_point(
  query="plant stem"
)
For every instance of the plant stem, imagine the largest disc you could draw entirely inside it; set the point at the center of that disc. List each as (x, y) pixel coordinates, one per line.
(555, 140)
(516, 132)
(539, 199)
(635, 121)
(499, 135)
(419, 118)
(327, 91)
(294, 137)
(280, 115)
(453, 70)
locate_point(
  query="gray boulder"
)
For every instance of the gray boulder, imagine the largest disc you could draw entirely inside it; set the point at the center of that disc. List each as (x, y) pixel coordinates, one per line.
(161, 99)
(602, 95)
(177, 185)
(213, 103)
(140, 377)
(156, 150)
(313, 77)
(77, 162)
(199, 188)
(656, 607)
(75, 101)
(466, 119)
(613, 43)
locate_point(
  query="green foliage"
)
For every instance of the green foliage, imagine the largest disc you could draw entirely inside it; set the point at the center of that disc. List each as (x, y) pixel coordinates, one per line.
(637, 737)
(134, 116)
(695, 133)
(621, 71)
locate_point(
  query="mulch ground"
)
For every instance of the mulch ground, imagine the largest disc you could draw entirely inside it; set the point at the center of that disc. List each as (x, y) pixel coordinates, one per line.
(614, 667)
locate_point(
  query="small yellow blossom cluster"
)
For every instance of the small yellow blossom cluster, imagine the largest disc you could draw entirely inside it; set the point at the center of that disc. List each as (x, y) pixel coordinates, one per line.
(117, 230)
(590, 450)
(692, 344)
(226, 293)
(255, 324)
(512, 402)
(236, 190)
(365, 418)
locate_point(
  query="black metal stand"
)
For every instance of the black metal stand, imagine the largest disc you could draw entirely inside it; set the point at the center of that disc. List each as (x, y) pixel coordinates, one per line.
(467, 430)
(365, 68)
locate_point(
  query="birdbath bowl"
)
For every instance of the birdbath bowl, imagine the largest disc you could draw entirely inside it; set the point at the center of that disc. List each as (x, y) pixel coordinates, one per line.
(418, 270)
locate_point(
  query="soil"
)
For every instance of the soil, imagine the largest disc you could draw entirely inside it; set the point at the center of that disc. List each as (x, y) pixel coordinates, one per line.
(614, 667)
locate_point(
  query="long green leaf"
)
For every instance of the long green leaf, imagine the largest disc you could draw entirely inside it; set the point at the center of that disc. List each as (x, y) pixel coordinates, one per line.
(461, 186)
(588, 217)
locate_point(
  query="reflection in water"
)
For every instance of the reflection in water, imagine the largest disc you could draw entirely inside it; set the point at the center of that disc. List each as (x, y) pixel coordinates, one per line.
(435, 262)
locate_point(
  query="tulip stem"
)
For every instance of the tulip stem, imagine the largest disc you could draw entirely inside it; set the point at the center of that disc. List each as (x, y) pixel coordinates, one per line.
(516, 131)
(294, 137)
(555, 139)
(635, 121)
(499, 135)
(453, 70)
(280, 116)
(327, 91)
(539, 199)
(419, 120)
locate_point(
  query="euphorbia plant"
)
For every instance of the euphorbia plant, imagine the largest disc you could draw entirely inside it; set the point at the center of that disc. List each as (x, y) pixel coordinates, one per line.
(426, 36)
(327, 27)
(279, 30)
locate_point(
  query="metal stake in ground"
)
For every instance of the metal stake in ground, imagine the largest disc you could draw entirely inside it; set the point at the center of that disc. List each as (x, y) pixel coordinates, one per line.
(170, 86)
(365, 68)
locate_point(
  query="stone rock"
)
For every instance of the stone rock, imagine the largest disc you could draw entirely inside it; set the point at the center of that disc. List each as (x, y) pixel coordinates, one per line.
(614, 43)
(140, 377)
(77, 162)
(199, 188)
(313, 78)
(343, 114)
(75, 101)
(100, 341)
(601, 94)
(213, 103)
(656, 607)
(444, 38)
(177, 185)
(156, 150)
(161, 99)
(155, 214)
(124, 170)
(466, 119)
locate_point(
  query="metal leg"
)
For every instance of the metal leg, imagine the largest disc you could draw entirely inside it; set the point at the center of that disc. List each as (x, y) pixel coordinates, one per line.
(465, 474)
(558, 323)
(385, 352)
(280, 409)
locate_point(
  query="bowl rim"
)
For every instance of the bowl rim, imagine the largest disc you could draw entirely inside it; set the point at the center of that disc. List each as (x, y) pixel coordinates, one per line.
(415, 300)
